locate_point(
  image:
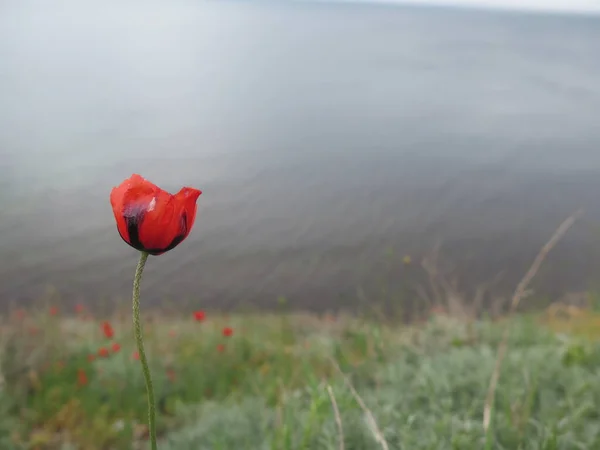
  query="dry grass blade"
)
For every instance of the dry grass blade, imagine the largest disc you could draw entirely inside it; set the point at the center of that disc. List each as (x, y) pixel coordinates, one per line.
(519, 294)
(377, 434)
(338, 417)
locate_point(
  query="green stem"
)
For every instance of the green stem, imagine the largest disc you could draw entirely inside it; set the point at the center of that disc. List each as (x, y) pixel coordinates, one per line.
(139, 340)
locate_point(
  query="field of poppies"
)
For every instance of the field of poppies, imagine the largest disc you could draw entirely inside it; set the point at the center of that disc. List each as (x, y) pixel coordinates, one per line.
(294, 381)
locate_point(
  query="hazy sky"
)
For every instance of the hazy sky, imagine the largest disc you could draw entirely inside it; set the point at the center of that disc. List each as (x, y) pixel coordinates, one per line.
(548, 5)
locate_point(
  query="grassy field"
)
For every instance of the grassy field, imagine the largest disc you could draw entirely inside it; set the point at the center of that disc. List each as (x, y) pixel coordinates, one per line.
(272, 382)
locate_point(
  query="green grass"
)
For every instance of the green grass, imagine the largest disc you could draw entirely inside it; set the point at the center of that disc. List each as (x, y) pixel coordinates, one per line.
(267, 388)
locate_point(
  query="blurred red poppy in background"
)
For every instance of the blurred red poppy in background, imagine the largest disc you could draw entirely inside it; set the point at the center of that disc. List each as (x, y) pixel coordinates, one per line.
(53, 310)
(199, 316)
(103, 352)
(136, 356)
(91, 358)
(79, 308)
(116, 347)
(150, 219)
(107, 329)
(227, 332)
(82, 378)
(220, 348)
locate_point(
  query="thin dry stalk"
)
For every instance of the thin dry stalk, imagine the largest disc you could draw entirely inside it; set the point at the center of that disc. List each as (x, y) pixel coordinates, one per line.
(430, 264)
(377, 434)
(338, 418)
(519, 294)
(446, 291)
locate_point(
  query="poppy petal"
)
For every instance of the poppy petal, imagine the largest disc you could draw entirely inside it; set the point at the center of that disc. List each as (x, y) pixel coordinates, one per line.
(188, 197)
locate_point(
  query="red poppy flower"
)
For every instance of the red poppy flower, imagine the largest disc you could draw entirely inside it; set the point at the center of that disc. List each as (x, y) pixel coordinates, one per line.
(91, 358)
(79, 308)
(103, 352)
(199, 316)
(116, 347)
(227, 332)
(107, 329)
(53, 311)
(152, 220)
(136, 356)
(82, 378)
(220, 348)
